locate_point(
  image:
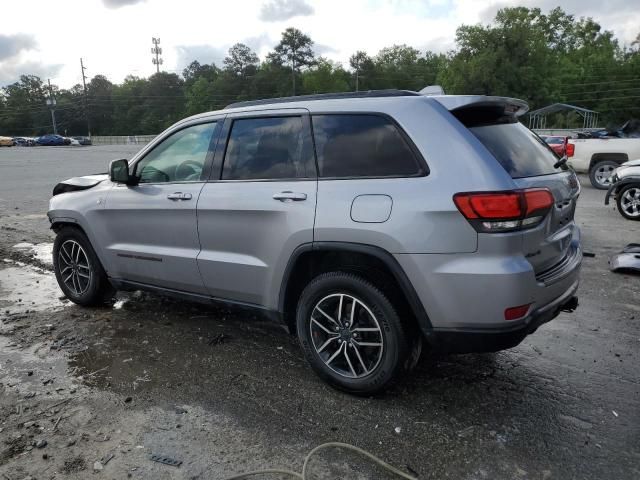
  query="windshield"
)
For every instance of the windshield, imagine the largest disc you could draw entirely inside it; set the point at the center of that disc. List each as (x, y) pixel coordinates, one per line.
(520, 151)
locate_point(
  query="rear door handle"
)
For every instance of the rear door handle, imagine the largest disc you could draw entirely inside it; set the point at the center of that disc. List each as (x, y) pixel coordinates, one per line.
(179, 196)
(290, 196)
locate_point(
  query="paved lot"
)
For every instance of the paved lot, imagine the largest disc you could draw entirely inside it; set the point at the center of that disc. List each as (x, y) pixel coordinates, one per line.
(225, 391)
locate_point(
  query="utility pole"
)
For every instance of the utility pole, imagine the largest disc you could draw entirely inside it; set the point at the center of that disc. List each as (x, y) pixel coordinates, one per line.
(357, 72)
(157, 51)
(86, 106)
(293, 72)
(51, 102)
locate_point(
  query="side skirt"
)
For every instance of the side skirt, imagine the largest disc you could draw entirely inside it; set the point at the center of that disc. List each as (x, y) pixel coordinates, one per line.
(127, 285)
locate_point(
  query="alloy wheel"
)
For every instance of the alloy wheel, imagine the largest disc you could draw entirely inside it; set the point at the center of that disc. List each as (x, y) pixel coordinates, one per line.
(603, 175)
(346, 335)
(75, 270)
(630, 202)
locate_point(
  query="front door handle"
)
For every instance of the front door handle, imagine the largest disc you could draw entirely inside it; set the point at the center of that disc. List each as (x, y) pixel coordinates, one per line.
(179, 196)
(290, 196)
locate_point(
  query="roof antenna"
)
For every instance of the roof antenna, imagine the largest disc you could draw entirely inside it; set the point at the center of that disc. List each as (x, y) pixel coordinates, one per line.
(432, 90)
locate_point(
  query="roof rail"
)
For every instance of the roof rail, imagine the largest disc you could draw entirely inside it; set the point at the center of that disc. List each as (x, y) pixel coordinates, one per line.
(326, 96)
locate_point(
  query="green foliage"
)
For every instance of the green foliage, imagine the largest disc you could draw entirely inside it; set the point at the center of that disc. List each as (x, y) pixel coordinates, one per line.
(525, 53)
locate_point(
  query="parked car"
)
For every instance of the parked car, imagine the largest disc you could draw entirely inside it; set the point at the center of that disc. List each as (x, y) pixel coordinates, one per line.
(51, 140)
(71, 141)
(24, 141)
(599, 157)
(6, 142)
(625, 189)
(360, 233)
(560, 145)
(83, 140)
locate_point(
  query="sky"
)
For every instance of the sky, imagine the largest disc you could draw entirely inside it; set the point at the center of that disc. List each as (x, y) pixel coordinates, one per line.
(114, 36)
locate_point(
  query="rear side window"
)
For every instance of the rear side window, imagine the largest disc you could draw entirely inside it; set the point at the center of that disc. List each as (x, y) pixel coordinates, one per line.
(553, 140)
(518, 149)
(361, 146)
(265, 148)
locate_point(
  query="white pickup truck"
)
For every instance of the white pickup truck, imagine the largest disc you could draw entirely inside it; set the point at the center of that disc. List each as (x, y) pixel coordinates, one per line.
(599, 157)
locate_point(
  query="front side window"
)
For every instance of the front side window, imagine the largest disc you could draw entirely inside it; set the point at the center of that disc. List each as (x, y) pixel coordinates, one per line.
(178, 158)
(265, 148)
(361, 146)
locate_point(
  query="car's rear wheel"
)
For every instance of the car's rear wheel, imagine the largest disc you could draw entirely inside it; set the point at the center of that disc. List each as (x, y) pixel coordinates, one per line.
(600, 174)
(628, 200)
(78, 270)
(350, 333)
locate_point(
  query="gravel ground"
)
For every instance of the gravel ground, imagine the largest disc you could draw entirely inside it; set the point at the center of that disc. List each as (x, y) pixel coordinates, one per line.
(86, 391)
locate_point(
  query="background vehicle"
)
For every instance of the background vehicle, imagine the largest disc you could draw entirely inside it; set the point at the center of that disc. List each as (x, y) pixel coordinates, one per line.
(625, 188)
(24, 141)
(6, 142)
(599, 157)
(359, 232)
(51, 140)
(83, 140)
(71, 141)
(558, 145)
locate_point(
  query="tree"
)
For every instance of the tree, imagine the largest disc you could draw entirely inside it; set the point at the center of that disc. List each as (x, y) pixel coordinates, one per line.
(241, 60)
(295, 48)
(360, 62)
(200, 97)
(100, 104)
(25, 107)
(324, 77)
(195, 70)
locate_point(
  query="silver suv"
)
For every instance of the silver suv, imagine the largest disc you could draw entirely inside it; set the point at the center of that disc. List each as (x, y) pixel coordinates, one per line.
(371, 223)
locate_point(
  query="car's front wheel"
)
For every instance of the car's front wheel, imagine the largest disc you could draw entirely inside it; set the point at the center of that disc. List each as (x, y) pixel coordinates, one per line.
(350, 333)
(628, 200)
(78, 270)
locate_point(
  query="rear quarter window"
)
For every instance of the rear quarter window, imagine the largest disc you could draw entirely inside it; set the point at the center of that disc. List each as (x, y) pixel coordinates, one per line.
(520, 151)
(362, 145)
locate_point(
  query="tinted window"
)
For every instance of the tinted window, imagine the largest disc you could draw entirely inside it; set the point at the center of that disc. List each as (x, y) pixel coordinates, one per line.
(517, 148)
(361, 146)
(265, 148)
(553, 140)
(178, 158)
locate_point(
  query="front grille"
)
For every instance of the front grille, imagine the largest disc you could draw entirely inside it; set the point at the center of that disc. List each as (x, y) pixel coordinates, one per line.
(560, 269)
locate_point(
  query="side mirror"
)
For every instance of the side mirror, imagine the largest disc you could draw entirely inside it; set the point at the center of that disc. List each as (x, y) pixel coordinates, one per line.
(119, 172)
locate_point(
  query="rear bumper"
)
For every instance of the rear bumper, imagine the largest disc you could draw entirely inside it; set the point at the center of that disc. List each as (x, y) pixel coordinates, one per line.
(467, 341)
(465, 296)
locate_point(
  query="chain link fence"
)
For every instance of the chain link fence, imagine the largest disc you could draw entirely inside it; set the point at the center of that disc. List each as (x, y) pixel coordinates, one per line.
(121, 139)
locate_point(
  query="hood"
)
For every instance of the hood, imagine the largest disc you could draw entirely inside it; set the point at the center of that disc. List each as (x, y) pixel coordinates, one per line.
(628, 169)
(79, 183)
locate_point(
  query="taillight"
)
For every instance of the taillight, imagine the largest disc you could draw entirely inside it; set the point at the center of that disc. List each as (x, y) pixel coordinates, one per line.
(570, 150)
(504, 211)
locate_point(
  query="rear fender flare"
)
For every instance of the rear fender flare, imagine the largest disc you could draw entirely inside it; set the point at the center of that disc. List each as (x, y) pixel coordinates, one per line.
(387, 258)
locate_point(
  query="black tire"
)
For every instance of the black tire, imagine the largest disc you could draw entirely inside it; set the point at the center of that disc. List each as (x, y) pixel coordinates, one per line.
(600, 169)
(392, 357)
(97, 290)
(630, 190)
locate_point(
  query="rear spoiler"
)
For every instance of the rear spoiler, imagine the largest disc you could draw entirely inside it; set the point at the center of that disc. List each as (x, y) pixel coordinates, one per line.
(510, 106)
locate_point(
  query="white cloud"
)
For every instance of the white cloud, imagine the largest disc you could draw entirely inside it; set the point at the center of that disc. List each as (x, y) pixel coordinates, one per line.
(120, 3)
(11, 45)
(11, 70)
(279, 10)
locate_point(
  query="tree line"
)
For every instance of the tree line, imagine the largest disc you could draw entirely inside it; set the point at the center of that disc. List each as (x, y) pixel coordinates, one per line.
(540, 57)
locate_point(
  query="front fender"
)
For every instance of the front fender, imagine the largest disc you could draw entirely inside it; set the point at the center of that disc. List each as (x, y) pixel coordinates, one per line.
(615, 188)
